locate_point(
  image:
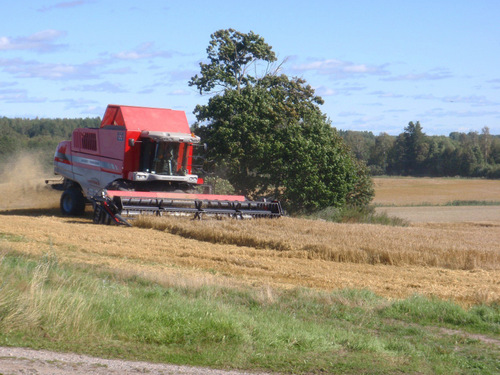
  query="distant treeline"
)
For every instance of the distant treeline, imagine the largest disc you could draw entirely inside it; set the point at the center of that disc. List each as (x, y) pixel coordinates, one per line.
(413, 153)
(38, 135)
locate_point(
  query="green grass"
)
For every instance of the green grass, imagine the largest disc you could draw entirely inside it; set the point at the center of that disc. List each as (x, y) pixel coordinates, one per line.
(12, 238)
(364, 215)
(472, 203)
(45, 304)
(451, 203)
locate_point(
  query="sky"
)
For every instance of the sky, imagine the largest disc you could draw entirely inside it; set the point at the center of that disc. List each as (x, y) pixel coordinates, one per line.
(378, 64)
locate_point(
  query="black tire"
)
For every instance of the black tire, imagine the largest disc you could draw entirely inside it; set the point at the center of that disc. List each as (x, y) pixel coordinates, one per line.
(99, 215)
(72, 202)
(121, 185)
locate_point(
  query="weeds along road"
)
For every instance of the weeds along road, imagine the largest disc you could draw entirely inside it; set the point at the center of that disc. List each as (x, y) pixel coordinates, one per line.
(21, 361)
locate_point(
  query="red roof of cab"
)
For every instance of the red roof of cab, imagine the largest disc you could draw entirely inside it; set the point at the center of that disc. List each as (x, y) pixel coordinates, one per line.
(144, 118)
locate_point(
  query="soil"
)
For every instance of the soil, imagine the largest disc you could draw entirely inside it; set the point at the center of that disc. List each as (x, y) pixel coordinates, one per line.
(22, 361)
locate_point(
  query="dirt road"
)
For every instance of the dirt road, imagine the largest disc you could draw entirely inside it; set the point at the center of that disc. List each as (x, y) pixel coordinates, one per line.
(22, 361)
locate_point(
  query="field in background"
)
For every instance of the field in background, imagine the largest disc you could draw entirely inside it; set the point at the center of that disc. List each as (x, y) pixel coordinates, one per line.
(456, 257)
(438, 200)
(290, 295)
(410, 191)
(445, 214)
(449, 261)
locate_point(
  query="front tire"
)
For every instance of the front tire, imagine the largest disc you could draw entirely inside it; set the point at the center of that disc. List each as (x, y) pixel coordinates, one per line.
(72, 202)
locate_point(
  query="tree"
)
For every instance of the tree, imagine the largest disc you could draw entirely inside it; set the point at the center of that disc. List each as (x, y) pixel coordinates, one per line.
(269, 132)
(231, 54)
(486, 141)
(396, 156)
(415, 150)
(360, 143)
(379, 153)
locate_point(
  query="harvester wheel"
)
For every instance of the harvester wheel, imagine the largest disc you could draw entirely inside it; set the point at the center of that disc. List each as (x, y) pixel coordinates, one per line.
(72, 202)
(100, 216)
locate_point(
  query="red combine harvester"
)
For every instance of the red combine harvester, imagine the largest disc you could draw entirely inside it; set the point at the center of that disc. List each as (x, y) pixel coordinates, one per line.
(140, 160)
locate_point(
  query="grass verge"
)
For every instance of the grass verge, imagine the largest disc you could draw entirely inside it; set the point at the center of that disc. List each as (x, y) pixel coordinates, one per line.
(44, 304)
(472, 203)
(363, 215)
(450, 203)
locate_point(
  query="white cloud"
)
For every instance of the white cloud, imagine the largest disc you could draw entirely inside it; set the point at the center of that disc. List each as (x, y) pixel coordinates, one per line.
(181, 75)
(42, 41)
(180, 92)
(349, 114)
(99, 87)
(65, 5)
(440, 112)
(384, 94)
(338, 90)
(86, 106)
(120, 71)
(144, 51)
(33, 69)
(325, 91)
(473, 100)
(434, 74)
(340, 69)
(7, 84)
(18, 96)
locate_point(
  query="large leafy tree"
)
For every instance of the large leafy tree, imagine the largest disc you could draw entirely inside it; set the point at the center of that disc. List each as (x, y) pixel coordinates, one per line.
(231, 56)
(269, 132)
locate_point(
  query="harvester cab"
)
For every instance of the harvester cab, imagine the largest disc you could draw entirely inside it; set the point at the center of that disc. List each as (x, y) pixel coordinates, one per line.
(140, 160)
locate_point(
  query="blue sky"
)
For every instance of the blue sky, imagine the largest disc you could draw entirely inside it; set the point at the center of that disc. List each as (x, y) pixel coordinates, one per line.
(377, 64)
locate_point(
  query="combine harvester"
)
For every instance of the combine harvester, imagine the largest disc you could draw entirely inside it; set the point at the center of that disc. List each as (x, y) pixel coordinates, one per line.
(140, 160)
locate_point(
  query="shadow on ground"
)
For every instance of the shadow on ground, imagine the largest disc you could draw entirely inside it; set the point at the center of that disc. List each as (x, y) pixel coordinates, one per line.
(38, 212)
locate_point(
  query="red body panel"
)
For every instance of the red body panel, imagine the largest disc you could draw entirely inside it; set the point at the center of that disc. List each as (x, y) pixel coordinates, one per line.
(149, 194)
(143, 118)
(96, 157)
(99, 149)
(134, 120)
(62, 151)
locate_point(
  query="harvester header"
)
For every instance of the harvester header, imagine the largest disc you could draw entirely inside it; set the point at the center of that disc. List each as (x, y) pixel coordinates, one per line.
(140, 160)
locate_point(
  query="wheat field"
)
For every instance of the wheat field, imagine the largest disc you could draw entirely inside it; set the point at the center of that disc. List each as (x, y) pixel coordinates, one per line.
(172, 258)
(447, 259)
(450, 246)
(400, 191)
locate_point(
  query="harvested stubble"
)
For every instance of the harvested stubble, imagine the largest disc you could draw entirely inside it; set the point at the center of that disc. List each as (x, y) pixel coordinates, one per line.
(166, 258)
(402, 191)
(445, 214)
(449, 247)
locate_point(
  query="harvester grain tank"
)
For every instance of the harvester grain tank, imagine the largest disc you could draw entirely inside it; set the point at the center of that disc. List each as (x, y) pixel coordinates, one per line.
(140, 160)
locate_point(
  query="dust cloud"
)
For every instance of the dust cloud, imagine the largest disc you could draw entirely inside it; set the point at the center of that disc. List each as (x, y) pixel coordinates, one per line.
(22, 184)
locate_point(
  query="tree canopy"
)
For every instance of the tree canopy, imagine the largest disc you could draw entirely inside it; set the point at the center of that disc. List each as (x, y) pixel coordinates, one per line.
(269, 132)
(40, 134)
(231, 55)
(413, 153)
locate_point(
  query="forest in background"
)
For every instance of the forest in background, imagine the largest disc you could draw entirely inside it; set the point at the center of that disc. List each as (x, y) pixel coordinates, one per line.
(411, 153)
(40, 136)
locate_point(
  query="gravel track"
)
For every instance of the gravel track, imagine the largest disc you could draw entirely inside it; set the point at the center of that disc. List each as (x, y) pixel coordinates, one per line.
(22, 361)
